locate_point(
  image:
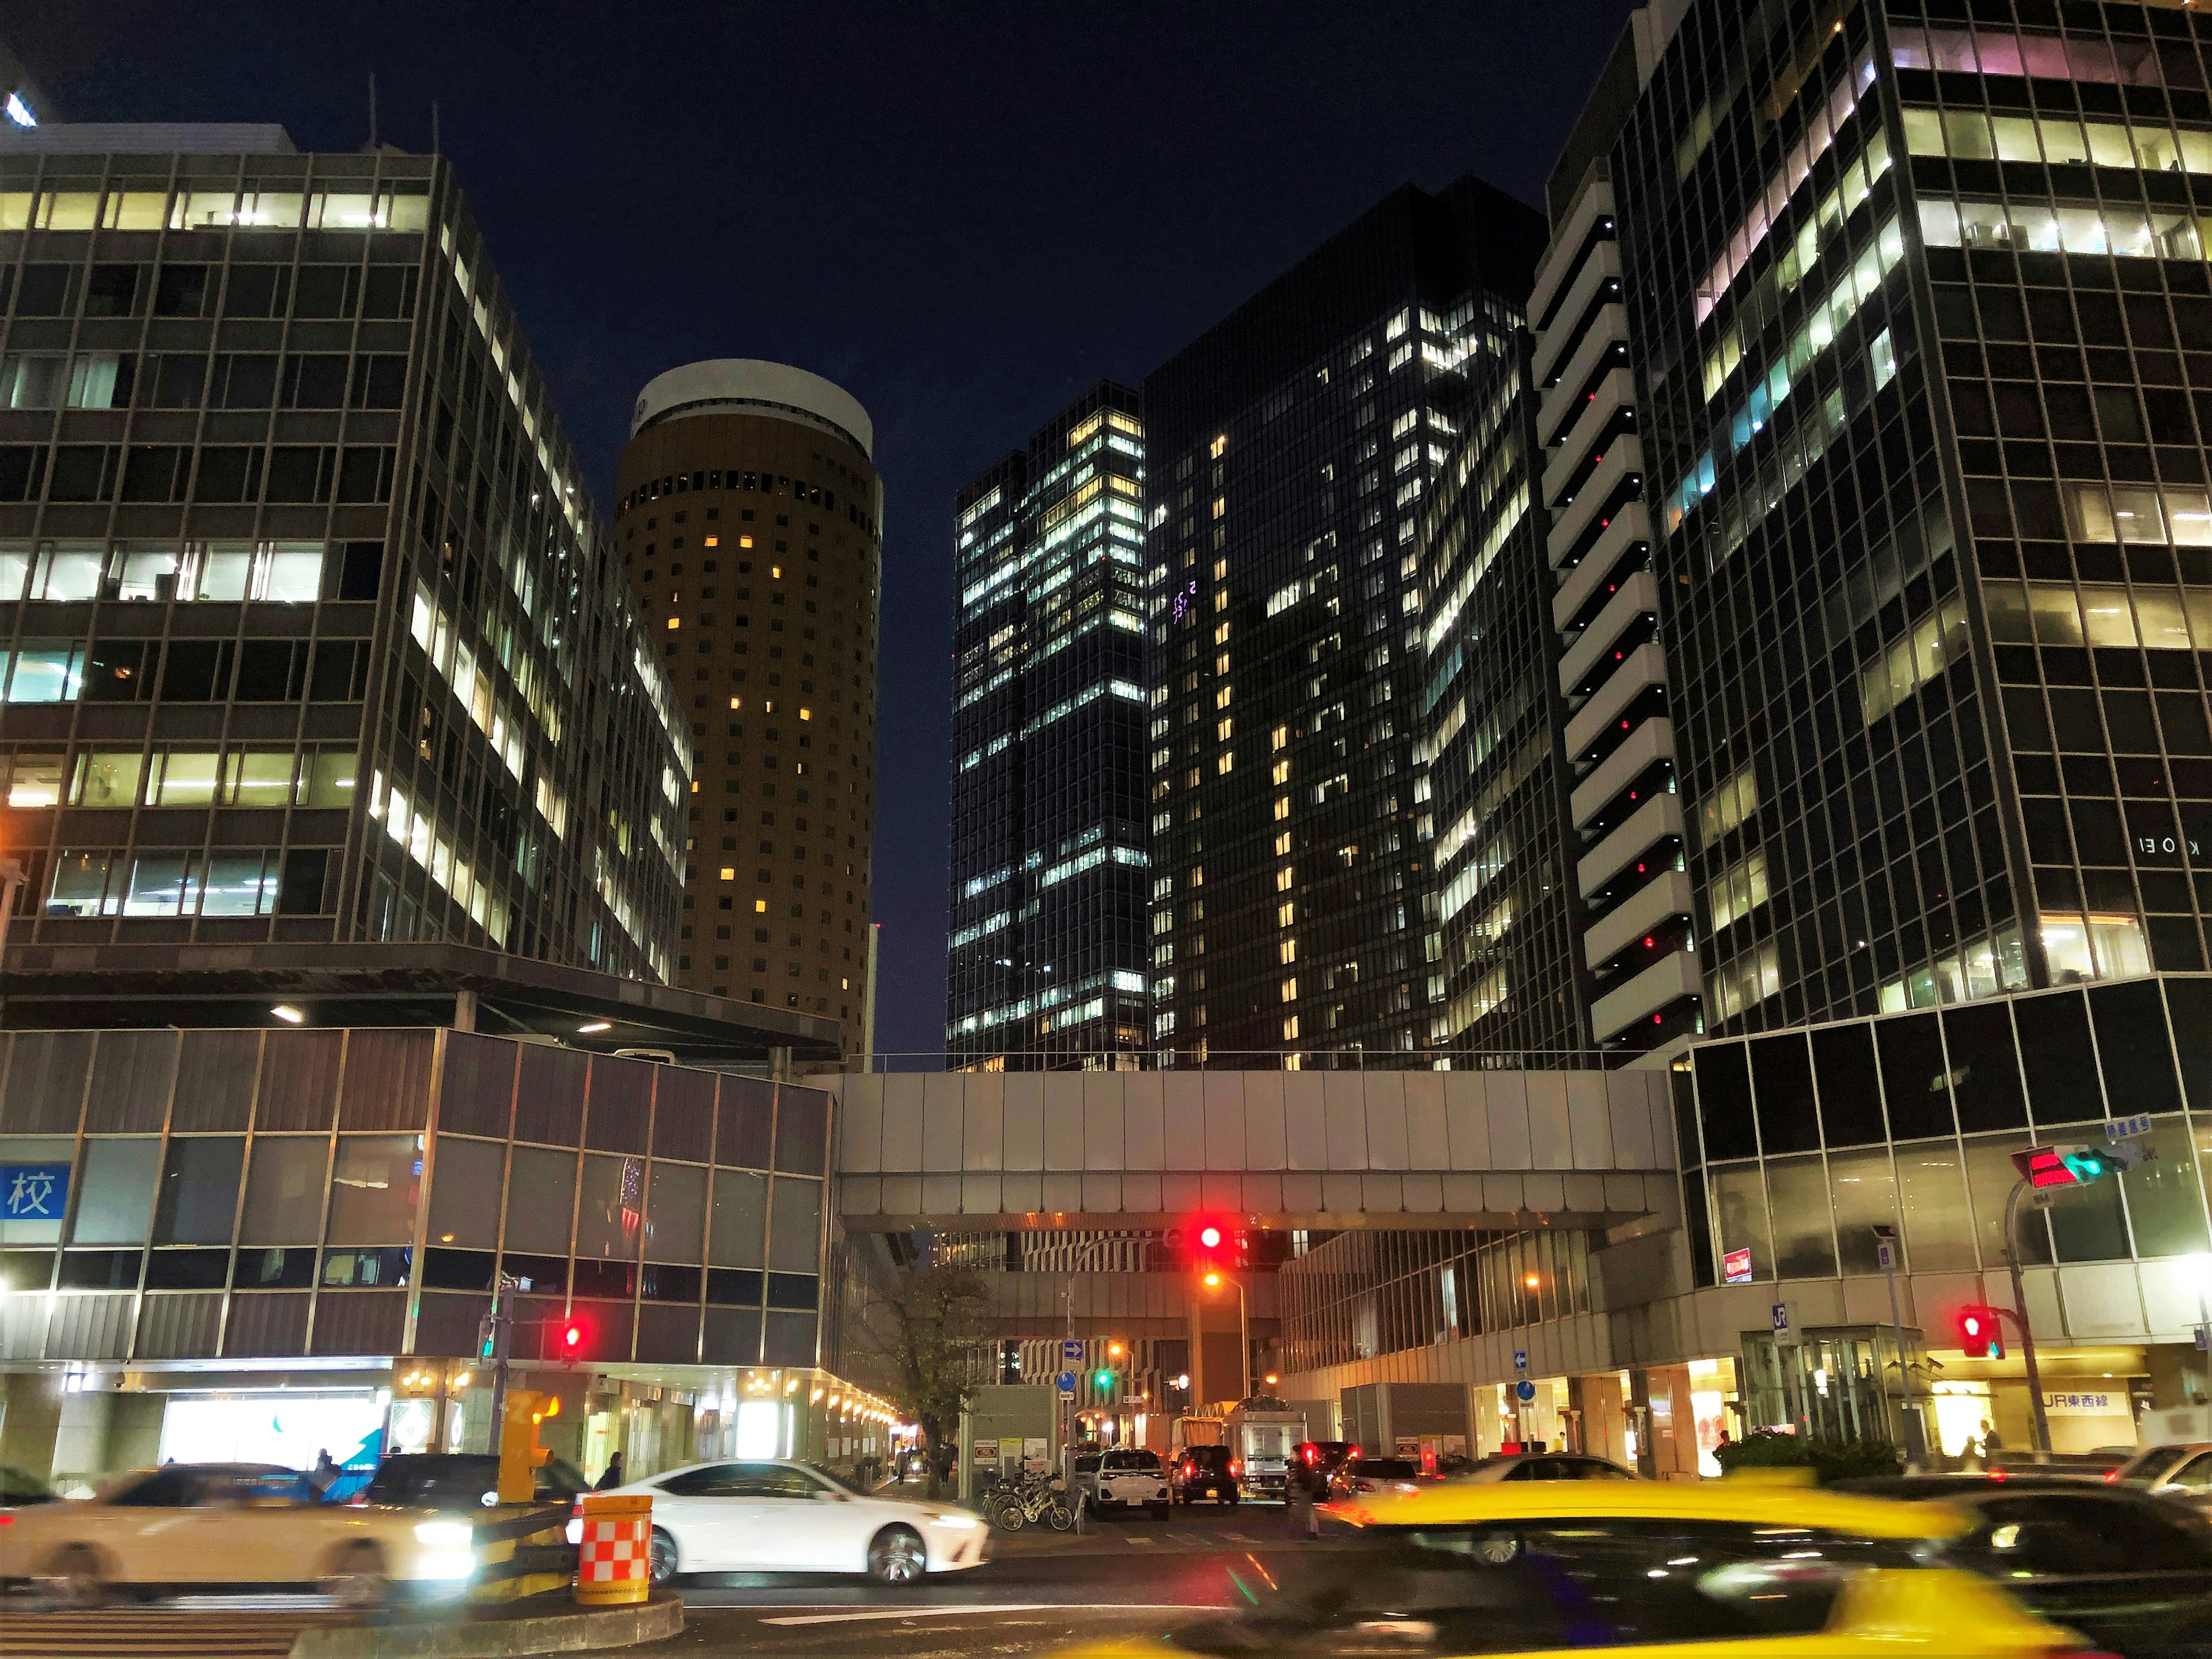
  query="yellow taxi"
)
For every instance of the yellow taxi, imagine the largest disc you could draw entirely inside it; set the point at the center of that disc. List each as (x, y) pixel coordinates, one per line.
(1634, 1570)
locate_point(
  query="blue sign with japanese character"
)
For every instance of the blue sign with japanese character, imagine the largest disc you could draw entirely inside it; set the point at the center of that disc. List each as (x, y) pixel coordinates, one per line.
(34, 1192)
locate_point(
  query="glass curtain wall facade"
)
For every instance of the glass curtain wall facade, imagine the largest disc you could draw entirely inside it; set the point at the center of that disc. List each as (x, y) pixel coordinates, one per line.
(1796, 1144)
(306, 628)
(752, 528)
(1292, 448)
(1504, 919)
(260, 1195)
(1046, 961)
(1919, 306)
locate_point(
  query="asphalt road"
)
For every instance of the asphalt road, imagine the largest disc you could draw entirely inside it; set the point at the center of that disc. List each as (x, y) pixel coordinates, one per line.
(1041, 1593)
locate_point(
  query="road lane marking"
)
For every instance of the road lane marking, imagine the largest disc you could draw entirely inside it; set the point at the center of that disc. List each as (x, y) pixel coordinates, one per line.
(847, 1618)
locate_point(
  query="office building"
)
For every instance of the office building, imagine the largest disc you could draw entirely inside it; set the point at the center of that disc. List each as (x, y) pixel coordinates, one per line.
(750, 522)
(1508, 972)
(1048, 962)
(1931, 491)
(307, 630)
(1631, 873)
(1292, 449)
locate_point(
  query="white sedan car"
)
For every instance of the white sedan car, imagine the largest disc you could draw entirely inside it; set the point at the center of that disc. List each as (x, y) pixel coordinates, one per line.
(793, 1517)
(230, 1523)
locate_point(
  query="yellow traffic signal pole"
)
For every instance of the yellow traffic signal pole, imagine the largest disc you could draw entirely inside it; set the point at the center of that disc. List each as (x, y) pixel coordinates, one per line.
(2019, 1311)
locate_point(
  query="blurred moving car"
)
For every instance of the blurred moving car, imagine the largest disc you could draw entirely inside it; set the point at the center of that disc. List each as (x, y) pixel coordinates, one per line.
(1711, 1571)
(462, 1481)
(2182, 1471)
(20, 1489)
(231, 1524)
(1204, 1472)
(1547, 1465)
(2131, 1572)
(795, 1517)
(1362, 1475)
(1130, 1477)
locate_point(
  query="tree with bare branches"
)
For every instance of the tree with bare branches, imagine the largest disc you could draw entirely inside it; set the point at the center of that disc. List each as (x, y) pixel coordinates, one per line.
(931, 1324)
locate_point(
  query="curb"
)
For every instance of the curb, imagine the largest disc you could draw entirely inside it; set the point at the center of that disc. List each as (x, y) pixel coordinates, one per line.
(575, 1630)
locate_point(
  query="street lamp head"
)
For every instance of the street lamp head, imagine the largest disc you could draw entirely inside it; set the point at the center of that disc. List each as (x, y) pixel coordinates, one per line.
(1212, 1281)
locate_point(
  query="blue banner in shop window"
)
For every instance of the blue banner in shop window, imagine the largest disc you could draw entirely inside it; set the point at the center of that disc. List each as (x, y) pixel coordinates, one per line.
(34, 1192)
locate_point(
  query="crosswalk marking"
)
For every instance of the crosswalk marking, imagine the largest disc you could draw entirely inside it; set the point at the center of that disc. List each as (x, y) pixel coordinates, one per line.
(133, 1633)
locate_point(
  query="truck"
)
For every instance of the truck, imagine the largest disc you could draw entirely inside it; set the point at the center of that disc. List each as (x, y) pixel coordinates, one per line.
(1195, 1431)
(1262, 1432)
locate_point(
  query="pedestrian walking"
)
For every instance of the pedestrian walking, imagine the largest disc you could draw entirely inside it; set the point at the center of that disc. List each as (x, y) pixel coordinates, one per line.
(612, 1477)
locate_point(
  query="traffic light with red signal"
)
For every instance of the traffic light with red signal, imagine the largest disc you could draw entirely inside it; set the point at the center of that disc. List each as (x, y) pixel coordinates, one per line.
(1981, 1332)
(570, 1338)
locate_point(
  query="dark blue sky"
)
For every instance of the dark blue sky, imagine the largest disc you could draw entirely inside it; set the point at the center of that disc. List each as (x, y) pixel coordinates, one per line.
(963, 214)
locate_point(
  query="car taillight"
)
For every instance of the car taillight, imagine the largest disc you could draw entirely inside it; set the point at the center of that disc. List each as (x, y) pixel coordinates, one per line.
(1311, 1456)
(2111, 1477)
(1234, 1468)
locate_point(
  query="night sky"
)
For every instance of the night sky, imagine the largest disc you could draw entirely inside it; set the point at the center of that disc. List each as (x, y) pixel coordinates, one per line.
(962, 214)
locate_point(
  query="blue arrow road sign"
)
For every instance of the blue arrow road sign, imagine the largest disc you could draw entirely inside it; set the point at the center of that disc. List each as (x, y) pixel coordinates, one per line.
(1520, 1359)
(1070, 1349)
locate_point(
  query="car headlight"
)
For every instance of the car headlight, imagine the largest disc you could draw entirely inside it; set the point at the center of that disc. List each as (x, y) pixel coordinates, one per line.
(445, 1533)
(964, 1522)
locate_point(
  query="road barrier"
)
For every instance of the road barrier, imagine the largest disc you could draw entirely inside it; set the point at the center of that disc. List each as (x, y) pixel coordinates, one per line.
(614, 1560)
(522, 1551)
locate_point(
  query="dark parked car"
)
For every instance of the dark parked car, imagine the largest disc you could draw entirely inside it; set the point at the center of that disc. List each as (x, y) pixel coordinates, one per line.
(1204, 1472)
(462, 1481)
(2130, 1572)
(1314, 1463)
(1546, 1465)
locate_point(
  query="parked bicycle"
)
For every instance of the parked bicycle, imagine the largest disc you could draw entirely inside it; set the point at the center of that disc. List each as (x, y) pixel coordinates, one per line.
(1035, 1498)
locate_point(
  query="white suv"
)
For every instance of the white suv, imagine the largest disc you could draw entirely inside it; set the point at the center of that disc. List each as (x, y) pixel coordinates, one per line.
(1130, 1480)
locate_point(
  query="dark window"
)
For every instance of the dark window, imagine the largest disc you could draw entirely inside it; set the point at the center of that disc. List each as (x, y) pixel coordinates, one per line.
(2057, 1057)
(2132, 1048)
(270, 670)
(380, 380)
(300, 473)
(362, 571)
(1912, 1076)
(315, 379)
(155, 472)
(112, 291)
(792, 1290)
(43, 291)
(1850, 1088)
(23, 471)
(1782, 1078)
(736, 1287)
(662, 1283)
(196, 671)
(257, 291)
(179, 381)
(187, 1270)
(326, 291)
(366, 474)
(229, 474)
(2191, 1002)
(274, 1270)
(301, 891)
(245, 380)
(181, 291)
(98, 1270)
(332, 680)
(83, 472)
(717, 1480)
(1724, 1103)
(389, 291)
(458, 1270)
(1984, 1070)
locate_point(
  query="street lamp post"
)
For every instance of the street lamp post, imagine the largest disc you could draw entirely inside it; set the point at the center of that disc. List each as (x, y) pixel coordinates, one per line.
(2020, 1188)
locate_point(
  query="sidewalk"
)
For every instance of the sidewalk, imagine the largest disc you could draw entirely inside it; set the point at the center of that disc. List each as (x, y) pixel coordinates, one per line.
(551, 1623)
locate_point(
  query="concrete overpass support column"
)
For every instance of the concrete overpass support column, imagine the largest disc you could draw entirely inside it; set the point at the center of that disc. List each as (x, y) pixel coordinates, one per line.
(30, 1419)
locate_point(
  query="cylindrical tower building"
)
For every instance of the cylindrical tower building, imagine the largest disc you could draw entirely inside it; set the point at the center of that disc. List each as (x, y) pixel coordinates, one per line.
(749, 515)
